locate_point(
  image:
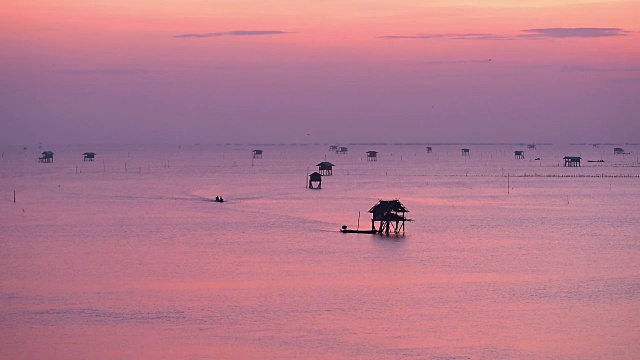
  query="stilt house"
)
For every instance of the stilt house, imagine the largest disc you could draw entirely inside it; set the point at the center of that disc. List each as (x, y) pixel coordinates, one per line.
(465, 152)
(333, 148)
(88, 156)
(46, 157)
(429, 149)
(572, 161)
(257, 154)
(342, 150)
(372, 155)
(531, 146)
(325, 168)
(390, 214)
(519, 154)
(317, 179)
(618, 151)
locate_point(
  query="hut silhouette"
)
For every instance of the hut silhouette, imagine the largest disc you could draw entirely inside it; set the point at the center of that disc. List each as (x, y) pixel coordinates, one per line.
(325, 168)
(333, 148)
(257, 154)
(618, 151)
(390, 214)
(572, 161)
(46, 157)
(429, 149)
(519, 154)
(372, 155)
(531, 146)
(315, 178)
(89, 156)
(342, 150)
(465, 152)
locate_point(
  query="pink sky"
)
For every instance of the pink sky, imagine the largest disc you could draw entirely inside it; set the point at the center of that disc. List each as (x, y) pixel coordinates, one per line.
(341, 71)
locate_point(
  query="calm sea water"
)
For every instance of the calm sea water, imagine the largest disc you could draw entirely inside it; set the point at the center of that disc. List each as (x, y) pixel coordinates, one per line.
(505, 258)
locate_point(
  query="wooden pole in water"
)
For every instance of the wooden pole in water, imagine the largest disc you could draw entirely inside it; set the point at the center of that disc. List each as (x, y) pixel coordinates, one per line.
(508, 184)
(14, 197)
(358, 220)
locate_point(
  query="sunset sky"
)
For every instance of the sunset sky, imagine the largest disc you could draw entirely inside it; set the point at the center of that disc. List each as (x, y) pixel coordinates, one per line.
(217, 71)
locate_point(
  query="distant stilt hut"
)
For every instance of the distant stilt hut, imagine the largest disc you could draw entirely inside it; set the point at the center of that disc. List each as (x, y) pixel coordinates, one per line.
(519, 154)
(572, 161)
(595, 145)
(372, 155)
(390, 214)
(257, 154)
(531, 146)
(46, 157)
(618, 151)
(465, 152)
(325, 168)
(315, 177)
(342, 150)
(429, 149)
(333, 148)
(89, 156)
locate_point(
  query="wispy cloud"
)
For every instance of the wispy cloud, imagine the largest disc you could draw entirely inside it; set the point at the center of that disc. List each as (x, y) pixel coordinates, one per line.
(233, 33)
(106, 71)
(529, 34)
(574, 32)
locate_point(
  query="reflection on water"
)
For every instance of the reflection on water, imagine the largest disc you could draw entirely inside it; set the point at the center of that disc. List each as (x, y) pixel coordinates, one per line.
(98, 262)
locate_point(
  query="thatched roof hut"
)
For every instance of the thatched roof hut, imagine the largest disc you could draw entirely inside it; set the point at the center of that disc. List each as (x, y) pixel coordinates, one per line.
(46, 157)
(325, 168)
(390, 214)
(89, 156)
(572, 161)
(315, 177)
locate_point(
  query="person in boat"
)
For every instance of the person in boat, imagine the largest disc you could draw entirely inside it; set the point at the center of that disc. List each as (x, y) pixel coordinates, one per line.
(217, 198)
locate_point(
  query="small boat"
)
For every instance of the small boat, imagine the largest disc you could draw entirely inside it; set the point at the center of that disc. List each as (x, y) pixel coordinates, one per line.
(344, 230)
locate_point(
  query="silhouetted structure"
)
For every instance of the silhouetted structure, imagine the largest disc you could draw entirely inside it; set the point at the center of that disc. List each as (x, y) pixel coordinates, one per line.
(572, 161)
(315, 178)
(390, 214)
(618, 151)
(325, 168)
(519, 154)
(595, 145)
(531, 146)
(333, 148)
(465, 152)
(89, 156)
(257, 154)
(372, 155)
(342, 150)
(46, 157)
(429, 149)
